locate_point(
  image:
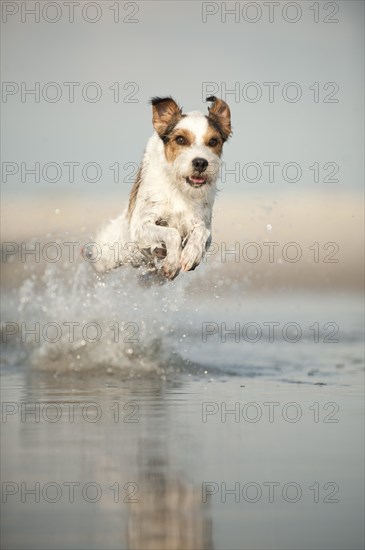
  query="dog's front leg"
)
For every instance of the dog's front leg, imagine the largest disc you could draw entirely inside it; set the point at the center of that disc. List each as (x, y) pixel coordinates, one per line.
(195, 248)
(154, 235)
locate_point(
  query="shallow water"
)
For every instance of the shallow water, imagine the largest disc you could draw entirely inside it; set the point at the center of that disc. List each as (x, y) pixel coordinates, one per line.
(167, 433)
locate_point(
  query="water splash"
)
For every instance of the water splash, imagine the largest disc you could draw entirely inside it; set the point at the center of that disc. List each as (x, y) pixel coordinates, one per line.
(111, 323)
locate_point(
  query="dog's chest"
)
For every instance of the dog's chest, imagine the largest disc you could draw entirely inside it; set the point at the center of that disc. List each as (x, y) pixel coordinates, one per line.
(185, 215)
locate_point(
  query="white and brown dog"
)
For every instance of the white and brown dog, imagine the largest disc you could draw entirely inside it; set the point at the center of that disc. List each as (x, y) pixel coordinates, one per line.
(168, 220)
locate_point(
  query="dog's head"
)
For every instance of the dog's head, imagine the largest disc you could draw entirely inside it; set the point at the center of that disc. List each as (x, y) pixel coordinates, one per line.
(192, 142)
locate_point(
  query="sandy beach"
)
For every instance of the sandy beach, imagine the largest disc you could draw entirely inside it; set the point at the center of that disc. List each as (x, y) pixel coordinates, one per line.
(266, 239)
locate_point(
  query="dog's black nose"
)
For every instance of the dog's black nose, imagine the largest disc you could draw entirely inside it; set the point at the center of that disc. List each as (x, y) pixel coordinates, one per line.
(199, 164)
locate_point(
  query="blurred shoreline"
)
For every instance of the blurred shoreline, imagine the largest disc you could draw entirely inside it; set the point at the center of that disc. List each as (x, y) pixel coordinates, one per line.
(267, 240)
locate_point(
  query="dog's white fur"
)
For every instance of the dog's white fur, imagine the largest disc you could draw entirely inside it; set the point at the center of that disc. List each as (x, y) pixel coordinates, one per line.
(165, 195)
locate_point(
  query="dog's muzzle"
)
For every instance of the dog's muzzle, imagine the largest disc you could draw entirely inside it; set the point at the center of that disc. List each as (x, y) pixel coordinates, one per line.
(198, 178)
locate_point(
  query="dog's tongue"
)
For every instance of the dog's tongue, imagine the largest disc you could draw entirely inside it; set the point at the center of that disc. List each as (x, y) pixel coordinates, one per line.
(196, 179)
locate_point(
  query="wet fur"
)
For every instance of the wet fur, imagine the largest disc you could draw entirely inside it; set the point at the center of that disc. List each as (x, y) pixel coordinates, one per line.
(168, 220)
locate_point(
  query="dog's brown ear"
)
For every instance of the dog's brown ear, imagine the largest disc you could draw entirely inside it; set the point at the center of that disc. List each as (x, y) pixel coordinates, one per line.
(221, 115)
(166, 113)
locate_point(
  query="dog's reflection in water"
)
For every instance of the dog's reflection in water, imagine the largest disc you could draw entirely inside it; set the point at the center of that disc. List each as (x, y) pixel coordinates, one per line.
(169, 515)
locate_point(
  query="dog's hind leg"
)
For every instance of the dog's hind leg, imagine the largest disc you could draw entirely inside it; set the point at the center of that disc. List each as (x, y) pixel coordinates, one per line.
(111, 247)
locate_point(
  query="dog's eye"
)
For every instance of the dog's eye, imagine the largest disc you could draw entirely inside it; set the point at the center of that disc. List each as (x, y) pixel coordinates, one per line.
(212, 142)
(180, 140)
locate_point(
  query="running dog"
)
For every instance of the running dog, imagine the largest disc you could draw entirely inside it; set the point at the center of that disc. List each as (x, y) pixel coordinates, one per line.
(167, 225)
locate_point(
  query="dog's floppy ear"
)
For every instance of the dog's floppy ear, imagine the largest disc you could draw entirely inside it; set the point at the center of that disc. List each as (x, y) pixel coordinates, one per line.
(220, 115)
(166, 113)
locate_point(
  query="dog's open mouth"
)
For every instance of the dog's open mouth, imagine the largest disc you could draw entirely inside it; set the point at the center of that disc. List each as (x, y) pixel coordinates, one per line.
(196, 181)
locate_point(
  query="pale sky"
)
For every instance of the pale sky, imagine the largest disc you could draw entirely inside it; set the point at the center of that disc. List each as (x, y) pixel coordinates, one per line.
(171, 51)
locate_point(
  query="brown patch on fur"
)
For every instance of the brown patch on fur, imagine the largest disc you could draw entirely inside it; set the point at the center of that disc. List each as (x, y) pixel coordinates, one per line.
(134, 193)
(165, 114)
(173, 148)
(220, 116)
(212, 133)
(159, 253)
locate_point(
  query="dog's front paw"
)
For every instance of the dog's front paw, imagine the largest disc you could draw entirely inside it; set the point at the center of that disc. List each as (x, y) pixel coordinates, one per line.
(170, 268)
(190, 257)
